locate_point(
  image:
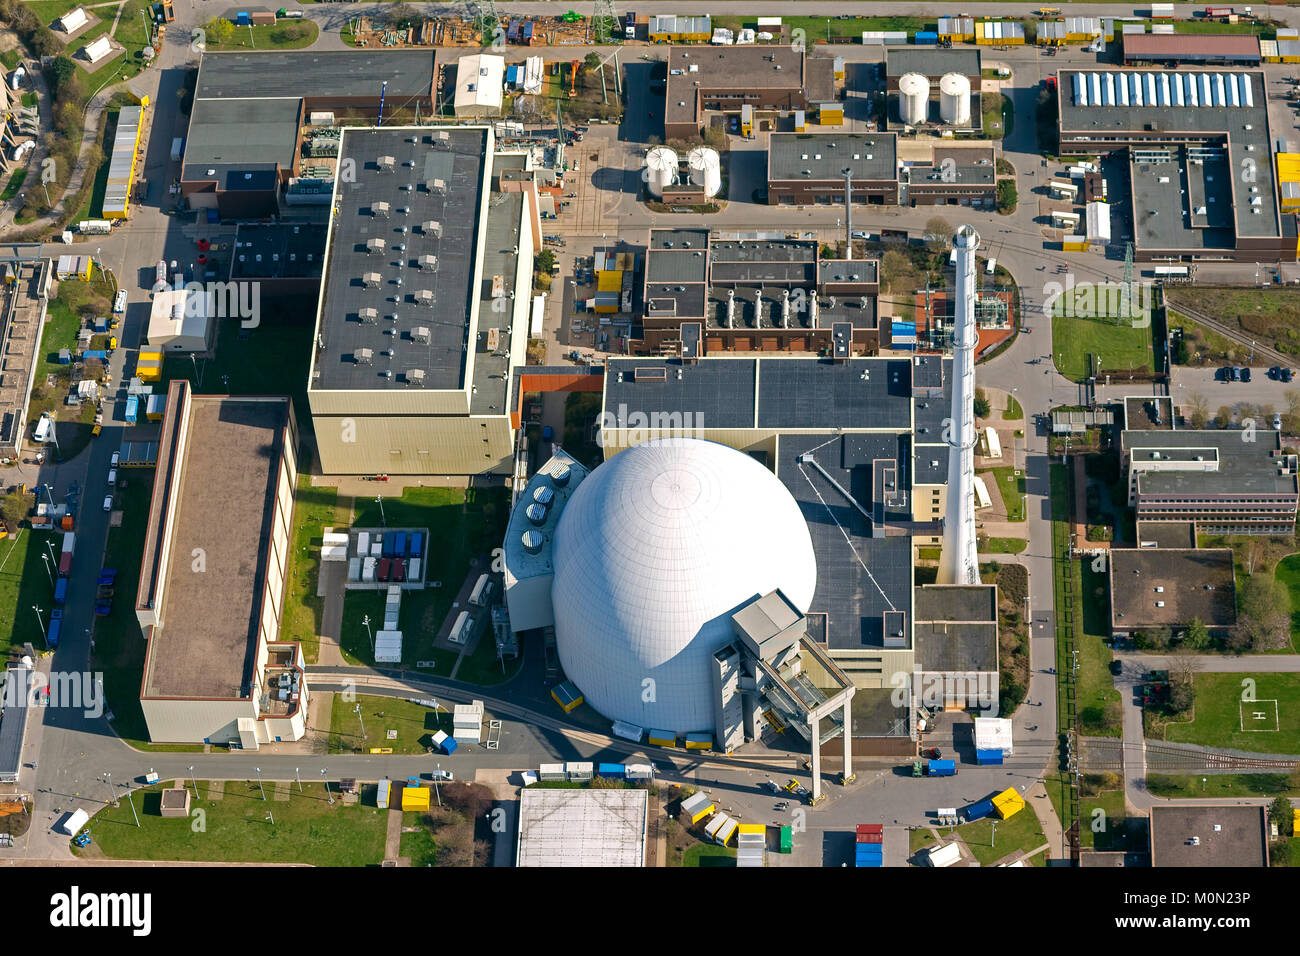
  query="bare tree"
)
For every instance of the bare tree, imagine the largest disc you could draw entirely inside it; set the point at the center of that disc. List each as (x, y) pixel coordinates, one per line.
(1200, 410)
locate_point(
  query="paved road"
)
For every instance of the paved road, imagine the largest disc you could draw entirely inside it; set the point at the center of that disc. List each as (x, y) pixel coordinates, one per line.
(1211, 663)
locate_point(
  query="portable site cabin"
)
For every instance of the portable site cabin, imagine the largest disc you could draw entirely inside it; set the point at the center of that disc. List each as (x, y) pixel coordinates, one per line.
(628, 731)
(992, 445)
(96, 50)
(697, 806)
(415, 798)
(382, 793)
(662, 738)
(945, 855)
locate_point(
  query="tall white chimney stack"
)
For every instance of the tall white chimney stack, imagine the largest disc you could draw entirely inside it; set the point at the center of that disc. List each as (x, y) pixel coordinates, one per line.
(960, 563)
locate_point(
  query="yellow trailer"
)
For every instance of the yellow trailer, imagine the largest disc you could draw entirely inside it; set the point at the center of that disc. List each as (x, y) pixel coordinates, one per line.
(415, 798)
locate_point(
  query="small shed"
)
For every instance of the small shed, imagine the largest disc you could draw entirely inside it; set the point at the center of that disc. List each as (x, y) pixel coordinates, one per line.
(97, 49)
(73, 20)
(176, 802)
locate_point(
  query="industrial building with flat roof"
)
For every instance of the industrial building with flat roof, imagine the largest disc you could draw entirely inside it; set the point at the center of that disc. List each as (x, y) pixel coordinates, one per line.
(212, 576)
(1187, 135)
(932, 63)
(1226, 482)
(808, 169)
(1203, 49)
(286, 258)
(244, 141)
(25, 281)
(1209, 836)
(1171, 588)
(424, 304)
(706, 293)
(726, 78)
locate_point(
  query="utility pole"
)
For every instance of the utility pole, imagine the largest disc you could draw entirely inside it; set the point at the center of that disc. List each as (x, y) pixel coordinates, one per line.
(195, 782)
(297, 777)
(327, 783)
(357, 711)
(46, 558)
(41, 620)
(133, 813)
(258, 771)
(365, 619)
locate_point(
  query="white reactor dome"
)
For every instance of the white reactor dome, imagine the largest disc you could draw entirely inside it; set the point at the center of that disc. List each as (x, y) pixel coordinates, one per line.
(954, 99)
(654, 552)
(661, 170)
(913, 98)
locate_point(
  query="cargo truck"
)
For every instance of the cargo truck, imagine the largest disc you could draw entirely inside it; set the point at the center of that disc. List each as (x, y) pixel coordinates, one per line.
(61, 591)
(941, 768)
(56, 627)
(286, 14)
(65, 559)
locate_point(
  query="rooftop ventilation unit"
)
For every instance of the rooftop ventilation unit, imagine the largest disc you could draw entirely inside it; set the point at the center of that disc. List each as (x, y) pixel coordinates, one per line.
(415, 376)
(374, 246)
(371, 280)
(386, 164)
(420, 334)
(432, 227)
(436, 186)
(380, 209)
(364, 356)
(423, 297)
(428, 263)
(368, 316)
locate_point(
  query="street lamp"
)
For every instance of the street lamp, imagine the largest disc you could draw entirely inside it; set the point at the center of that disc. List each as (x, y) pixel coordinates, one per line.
(327, 784)
(437, 774)
(46, 558)
(357, 711)
(41, 620)
(379, 499)
(258, 771)
(365, 619)
(195, 782)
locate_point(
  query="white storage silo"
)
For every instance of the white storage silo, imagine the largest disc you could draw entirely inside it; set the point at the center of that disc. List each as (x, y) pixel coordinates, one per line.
(913, 98)
(661, 169)
(706, 169)
(954, 99)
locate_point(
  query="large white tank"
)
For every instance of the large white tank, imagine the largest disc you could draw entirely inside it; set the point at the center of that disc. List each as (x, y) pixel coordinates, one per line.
(913, 98)
(706, 169)
(661, 169)
(954, 99)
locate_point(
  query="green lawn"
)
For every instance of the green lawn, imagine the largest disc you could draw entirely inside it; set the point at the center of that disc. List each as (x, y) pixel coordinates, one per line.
(1218, 720)
(415, 725)
(315, 508)
(15, 183)
(1103, 824)
(1213, 785)
(999, 117)
(1075, 339)
(307, 828)
(284, 35)
(24, 581)
(1021, 832)
(463, 525)
(1288, 572)
(11, 58)
(1098, 700)
(1012, 487)
(417, 844)
(1002, 545)
(709, 854)
(1013, 411)
(30, 99)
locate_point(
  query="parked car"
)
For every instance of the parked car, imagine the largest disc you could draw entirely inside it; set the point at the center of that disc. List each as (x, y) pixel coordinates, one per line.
(1287, 374)
(112, 477)
(1236, 373)
(444, 775)
(108, 502)
(1277, 421)
(1245, 374)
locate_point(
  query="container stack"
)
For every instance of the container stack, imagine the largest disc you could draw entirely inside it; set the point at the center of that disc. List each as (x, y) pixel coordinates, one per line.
(467, 722)
(870, 847)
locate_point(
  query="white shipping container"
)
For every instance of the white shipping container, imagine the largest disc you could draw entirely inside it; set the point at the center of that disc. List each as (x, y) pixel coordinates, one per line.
(368, 570)
(551, 771)
(354, 569)
(363, 543)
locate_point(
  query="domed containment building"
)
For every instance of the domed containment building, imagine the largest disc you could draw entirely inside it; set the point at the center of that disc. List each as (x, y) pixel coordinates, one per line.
(677, 575)
(654, 553)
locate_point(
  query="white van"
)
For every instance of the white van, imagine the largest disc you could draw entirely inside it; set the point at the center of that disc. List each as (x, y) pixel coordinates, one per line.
(119, 303)
(112, 478)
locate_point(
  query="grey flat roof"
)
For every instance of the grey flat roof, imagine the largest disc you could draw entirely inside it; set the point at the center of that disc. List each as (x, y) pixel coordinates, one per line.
(224, 504)
(849, 270)
(316, 74)
(871, 156)
(13, 721)
(813, 393)
(943, 602)
(240, 134)
(717, 393)
(931, 61)
(861, 577)
(956, 646)
(286, 251)
(491, 380)
(1245, 468)
(1167, 534)
(1228, 836)
(930, 465)
(581, 827)
(676, 265)
(1191, 583)
(443, 357)
(1228, 124)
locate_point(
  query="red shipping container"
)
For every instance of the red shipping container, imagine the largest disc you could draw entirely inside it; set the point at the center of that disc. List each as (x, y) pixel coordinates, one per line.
(383, 569)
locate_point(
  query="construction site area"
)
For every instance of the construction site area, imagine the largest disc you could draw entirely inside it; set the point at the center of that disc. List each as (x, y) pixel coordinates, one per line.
(567, 29)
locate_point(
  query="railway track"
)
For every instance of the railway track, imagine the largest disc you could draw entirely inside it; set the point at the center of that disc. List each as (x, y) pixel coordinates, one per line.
(1102, 757)
(1273, 356)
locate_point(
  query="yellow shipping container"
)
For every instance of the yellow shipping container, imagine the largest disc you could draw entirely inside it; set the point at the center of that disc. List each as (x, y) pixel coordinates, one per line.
(415, 798)
(609, 280)
(661, 740)
(753, 828)
(830, 115)
(1008, 803)
(1075, 244)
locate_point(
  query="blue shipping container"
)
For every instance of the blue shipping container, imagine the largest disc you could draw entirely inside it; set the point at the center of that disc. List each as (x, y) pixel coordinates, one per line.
(988, 757)
(978, 811)
(56, 625)
(449, 746)
(926, 38)
(399, 544)
(214, 216)
(942, 768)
(132, 408)
(100, 354)
(60, 590)
(390, 541)
(243, 20)
(614, 771)
(417, 542)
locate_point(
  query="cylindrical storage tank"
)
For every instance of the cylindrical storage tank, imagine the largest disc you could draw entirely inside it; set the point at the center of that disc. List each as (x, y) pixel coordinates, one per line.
(706, 169)
(913, 98)
(954, 99)
(532, 541)
(536, 513)
(661, 169)
(560, 477)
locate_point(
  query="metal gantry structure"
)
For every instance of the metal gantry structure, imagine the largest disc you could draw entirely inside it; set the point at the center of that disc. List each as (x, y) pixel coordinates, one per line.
(604, 23)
